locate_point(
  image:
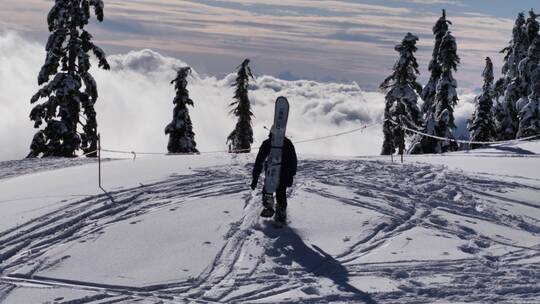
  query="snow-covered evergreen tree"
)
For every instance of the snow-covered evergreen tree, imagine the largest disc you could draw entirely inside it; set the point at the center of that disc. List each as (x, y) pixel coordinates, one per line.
(241, 137)
(527, 65)
(529, 70)
(424, 144)
(428, 93)
(511, 86)
(516, 50)
(402, 96)
(180, 130)
(482, 124)
(532, 26)
(72, 88)
(439, 118)
(446, 97)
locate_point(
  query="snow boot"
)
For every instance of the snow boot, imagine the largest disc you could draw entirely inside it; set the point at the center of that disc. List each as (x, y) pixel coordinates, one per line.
(268, 203)
(280, 217)
(267, 212)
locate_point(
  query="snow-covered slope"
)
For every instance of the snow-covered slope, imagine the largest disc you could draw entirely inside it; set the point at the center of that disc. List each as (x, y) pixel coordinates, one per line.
(462, 227)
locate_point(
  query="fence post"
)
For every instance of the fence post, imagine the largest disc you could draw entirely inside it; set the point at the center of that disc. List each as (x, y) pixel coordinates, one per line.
(99, 171)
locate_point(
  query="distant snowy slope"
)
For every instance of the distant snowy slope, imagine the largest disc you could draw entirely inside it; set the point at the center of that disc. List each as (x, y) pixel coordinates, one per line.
(185, 229)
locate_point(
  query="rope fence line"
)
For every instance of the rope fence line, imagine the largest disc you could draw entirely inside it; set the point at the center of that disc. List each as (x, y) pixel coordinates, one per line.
(463, 141)
(135, 153)
(338, 134)
(244, 150)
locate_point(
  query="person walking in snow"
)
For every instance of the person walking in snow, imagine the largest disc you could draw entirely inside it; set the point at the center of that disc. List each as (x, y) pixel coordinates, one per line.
(288, 171)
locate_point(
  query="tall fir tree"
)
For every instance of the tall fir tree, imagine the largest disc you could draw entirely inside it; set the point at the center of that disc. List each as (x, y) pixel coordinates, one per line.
(482, 124)
(428, 93)
(511, 86)
(241, 137)
(446, 97)
(401, 97)
(180, 130)
(439, 95)
(532, 26)
(72, 88)
(529, 115)
(527, 64)
(422, 144)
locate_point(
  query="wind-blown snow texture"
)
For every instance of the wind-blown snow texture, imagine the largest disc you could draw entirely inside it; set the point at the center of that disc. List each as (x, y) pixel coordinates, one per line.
(438, 229)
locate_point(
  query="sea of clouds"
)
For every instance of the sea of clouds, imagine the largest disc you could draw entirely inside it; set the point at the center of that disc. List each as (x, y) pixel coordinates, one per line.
(135, 105)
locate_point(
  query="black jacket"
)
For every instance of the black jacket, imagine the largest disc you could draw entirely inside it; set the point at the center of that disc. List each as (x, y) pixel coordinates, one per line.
(288, 164)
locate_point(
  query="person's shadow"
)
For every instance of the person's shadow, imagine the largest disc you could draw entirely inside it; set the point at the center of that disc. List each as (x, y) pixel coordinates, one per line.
(289, 246)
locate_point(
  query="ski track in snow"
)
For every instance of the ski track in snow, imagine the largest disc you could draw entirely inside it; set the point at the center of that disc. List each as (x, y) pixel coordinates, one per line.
(259, 263)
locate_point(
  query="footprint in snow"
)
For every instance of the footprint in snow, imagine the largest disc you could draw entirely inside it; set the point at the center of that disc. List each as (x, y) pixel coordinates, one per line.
(310, 290)
(468, 249)
(281, 271)
(400, 274)
(438, 221)
(482, 243)
(467, 230)
(284, 260)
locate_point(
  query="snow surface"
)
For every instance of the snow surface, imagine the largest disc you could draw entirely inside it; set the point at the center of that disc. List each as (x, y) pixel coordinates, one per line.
(455, 228)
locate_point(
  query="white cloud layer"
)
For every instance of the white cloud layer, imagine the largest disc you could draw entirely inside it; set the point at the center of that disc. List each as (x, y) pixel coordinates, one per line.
(135, 105)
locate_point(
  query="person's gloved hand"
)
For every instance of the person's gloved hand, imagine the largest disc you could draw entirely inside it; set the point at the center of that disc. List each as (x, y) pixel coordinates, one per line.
(253, 184)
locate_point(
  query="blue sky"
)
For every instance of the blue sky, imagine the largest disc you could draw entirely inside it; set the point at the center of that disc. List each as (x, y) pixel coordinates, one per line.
(316, 39)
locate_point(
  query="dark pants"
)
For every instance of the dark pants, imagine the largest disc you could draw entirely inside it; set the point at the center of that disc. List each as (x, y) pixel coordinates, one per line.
(281, 197)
